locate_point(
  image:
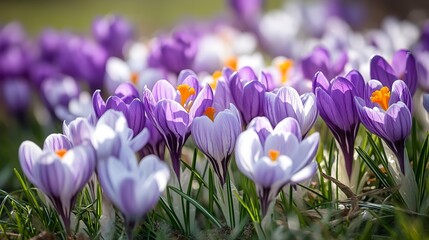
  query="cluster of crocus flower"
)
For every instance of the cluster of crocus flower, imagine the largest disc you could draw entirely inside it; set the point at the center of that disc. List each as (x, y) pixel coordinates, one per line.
(106, 148)
(275, 157)
(224, 96)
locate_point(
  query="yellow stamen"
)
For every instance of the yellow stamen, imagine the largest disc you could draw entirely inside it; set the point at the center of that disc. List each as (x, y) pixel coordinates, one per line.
(284, 68)
(185, 92)
(60, 153)
(232, 63)
(134, 78)
(381, 97)
(210, 112)
(273, 154)
(216, 75)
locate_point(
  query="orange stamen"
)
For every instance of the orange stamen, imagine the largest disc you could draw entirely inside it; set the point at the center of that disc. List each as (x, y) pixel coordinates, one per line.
(210, 112)
(216, 75)
(60, 153)
(185, 92)
(273, 154)
(284, 68)
(232, 63)
(381, 97)
(134, 78)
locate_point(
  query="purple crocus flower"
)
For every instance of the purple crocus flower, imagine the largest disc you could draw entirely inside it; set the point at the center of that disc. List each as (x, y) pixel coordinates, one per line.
(50, 43)
(335, 101)
(16, 95)
(112, 137)
(112, 32)
(15, 61)
(174, 53)
(283, 158)
(286, 102)
(263, 127)
(403, 67)
(60, 170)
(322, 60)
(215, 134)
(11, 34)
(134, 189)
(125, 100)
(173, 111)
(387, 113)
(83, 59)
(57, 92)
(247, 91)
(246, 12)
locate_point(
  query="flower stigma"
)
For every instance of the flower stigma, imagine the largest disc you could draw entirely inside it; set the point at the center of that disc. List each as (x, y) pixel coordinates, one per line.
(273, 154)
(284, 68)
(134, 78)
(232, 62)
(381, 97)
(185, 92)
(210, 112)
(61, 152)
(216, 75)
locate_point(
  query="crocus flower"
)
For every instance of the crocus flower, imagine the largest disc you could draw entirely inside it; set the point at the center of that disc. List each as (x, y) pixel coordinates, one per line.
(279, 160)
(112, 133)
(173, 111)
(119, 71)
(321, 60)
(16, 95)
(134, 190)
(247, 13)
(215, 134)
(335, 101)
(387, 113)
(286, 102)
(50, 42)
(403, 67)
(247, 91)
(60, 170)
(112, 32)
(11, 34)
(174, 53)
(126, 100)
(58, 91)
(83, 59)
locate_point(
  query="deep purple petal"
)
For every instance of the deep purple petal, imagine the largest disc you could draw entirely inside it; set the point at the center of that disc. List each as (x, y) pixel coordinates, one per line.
(320, 81)
(98, 104)
(253, 104)
(372, 119)
(400, 92)
(382, 71)
(136, 116)
(359, 83)
(397, 122)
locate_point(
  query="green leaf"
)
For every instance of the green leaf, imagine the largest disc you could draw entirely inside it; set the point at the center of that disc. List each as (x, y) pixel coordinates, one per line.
(197, 205)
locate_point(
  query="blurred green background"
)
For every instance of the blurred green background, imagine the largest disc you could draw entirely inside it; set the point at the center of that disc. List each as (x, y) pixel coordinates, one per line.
(149, 16)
